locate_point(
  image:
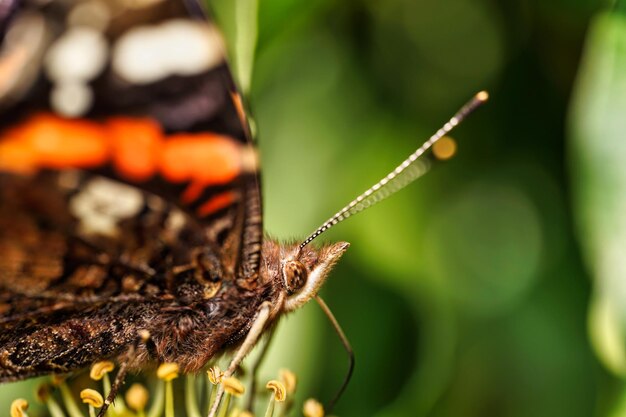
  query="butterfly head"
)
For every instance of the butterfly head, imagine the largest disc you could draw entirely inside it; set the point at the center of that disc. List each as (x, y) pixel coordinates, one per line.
(303, 271)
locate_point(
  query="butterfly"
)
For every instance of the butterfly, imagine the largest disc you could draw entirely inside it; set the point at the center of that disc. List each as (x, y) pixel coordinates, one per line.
(130, 202)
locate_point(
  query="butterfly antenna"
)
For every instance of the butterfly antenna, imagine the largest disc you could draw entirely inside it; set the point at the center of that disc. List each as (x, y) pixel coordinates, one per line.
(346, 345)
(404, 174)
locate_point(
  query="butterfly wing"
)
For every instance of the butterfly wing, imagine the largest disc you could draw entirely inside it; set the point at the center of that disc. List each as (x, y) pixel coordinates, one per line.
(128, 182)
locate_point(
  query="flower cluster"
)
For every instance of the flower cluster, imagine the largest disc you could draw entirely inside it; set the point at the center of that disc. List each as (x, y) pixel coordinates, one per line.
(138, 401)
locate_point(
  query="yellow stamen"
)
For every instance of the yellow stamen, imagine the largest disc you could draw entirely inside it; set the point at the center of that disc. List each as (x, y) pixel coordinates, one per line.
(137, 397)
(19, 407)
(289, 380)
(92, 397)
(168, 371)
(223, 408)
(191, 401)
(43, 393)
(280, 392)
(233, 386)
(169, 395)
(73, 410)
(312, 408)
(246, 414)
(215, 375)
(100, 369)
(57, 379)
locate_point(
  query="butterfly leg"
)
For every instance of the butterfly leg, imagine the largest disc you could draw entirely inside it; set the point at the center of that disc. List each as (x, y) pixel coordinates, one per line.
(251, 339)
(115, 387)
(255, 367)
(130, 357)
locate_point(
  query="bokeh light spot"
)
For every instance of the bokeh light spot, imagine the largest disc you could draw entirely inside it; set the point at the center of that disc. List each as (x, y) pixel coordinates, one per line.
(444, 148)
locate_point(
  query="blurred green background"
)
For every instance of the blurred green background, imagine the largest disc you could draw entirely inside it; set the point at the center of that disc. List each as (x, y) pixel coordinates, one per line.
(468, 293)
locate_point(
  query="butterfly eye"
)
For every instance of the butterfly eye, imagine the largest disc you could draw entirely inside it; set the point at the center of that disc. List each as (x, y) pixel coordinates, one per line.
(295, 275)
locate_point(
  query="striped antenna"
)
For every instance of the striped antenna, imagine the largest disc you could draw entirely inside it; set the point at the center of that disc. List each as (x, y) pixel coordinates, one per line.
(404, 174)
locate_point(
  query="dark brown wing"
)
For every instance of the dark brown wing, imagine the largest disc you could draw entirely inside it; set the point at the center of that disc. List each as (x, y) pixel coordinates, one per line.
(129, 192)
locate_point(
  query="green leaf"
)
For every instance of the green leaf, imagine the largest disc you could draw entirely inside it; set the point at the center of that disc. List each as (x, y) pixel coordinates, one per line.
(238, 21)
(247, 32)
(598, 167)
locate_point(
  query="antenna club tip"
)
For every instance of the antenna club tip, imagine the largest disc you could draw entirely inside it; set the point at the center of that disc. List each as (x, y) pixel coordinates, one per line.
(482, 96)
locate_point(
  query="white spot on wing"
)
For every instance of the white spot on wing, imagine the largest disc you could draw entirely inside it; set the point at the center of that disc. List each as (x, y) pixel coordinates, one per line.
(175, 221)
(72, 99)
(102, 203)
(177, 47)
(78, 55)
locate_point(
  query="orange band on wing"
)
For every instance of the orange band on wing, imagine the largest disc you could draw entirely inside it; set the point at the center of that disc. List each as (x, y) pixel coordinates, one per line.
(136, 145)
(216, 203)
(17, 156)
(192, 192)
(55, 142)
(137, 149)
(203, 157)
